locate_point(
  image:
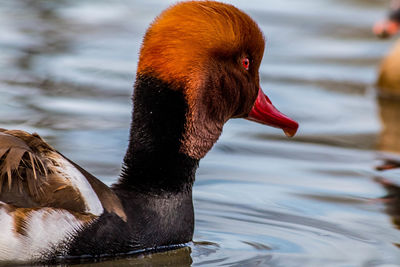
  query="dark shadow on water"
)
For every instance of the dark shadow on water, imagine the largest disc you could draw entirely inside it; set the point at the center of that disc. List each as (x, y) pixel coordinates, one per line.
(391, 200)
(176, 257)
(182, 256)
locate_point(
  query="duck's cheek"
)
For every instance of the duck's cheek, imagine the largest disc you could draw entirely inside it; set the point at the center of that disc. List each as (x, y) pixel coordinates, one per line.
(264, 112)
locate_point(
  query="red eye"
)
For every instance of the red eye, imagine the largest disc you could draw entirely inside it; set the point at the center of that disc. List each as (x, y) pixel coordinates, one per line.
(246, 63)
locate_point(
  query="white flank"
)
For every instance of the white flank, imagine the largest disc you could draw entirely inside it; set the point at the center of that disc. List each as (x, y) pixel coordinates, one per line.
(46, 230)
(9, 243)
(93, 204)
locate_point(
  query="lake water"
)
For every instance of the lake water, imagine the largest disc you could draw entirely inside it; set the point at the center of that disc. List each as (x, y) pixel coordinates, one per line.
(261, 199)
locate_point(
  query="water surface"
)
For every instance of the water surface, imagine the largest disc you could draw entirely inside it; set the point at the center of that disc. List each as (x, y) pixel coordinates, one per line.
(67, 70)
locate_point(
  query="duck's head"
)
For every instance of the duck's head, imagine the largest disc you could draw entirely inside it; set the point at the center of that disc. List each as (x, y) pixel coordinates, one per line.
(211, 52)
(391, 25)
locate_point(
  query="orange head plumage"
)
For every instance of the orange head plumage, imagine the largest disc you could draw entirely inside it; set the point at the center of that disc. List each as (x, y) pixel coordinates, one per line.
(210, 51)
(188, 39)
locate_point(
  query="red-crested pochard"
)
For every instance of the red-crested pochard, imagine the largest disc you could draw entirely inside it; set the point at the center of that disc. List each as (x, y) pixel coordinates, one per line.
(198, 67)
(389, 72)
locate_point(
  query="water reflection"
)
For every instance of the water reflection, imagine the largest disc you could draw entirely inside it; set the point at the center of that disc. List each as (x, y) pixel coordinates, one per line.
(391, 200)
(178, 257)
(389, 110)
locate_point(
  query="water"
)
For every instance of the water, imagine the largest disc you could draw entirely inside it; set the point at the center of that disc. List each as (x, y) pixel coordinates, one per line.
(67, 70)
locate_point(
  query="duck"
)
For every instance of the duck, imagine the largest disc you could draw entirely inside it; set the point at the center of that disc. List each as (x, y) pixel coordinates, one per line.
(388, 80)
(389, 114)
(198, 67)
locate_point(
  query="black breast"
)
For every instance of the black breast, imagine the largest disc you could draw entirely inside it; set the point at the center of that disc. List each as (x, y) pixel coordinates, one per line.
(153, 221)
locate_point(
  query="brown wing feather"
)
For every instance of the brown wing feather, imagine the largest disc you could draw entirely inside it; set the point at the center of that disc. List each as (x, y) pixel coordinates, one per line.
(17, 159)
(29, 177)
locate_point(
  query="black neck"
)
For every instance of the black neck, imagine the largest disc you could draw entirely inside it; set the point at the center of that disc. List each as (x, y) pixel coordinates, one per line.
(153, 162)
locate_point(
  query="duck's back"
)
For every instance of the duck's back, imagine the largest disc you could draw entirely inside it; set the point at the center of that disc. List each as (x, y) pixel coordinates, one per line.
(45, 199)
(389, 74)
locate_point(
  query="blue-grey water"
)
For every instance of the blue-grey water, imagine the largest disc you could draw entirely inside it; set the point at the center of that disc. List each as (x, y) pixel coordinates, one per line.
(67, 70)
